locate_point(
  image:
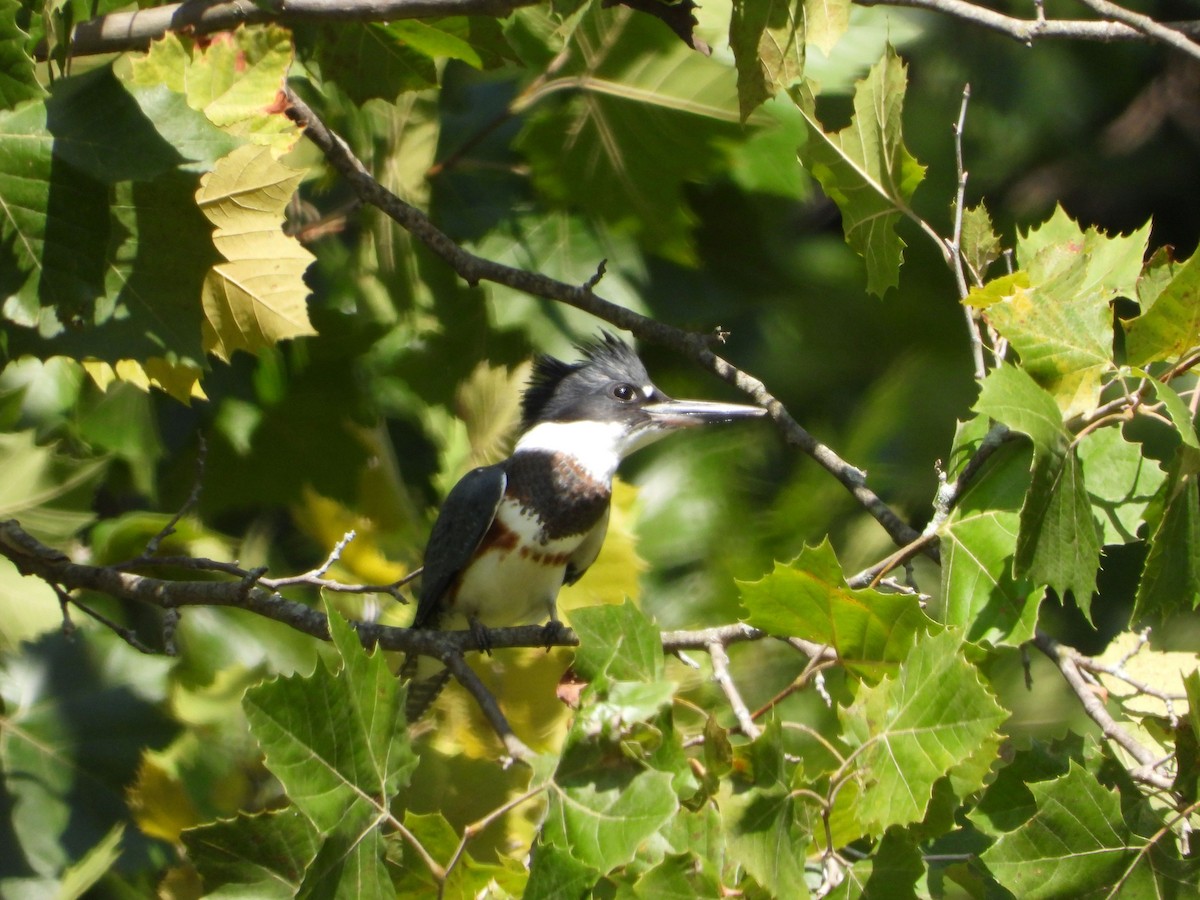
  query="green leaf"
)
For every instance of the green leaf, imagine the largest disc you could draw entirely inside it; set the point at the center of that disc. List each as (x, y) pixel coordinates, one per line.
(871, 631)
(70, 747)
(1171, 326)
(645, 116)
(556, 873)
(80, 878)
(892, 871)
(1059, 319)
(763, 828)
(1058, 542)
(1120, 480)
(1074, 844)
(49, 492)
(866, 169)
(1178, 412)
(1010, 396)
(369, 59)
(934, 718)
(618, 642)
(1170, 579)
(18, 77)
(602, 813)
(979, 539)
(979, 241)
(57, 247)
(338, 744)
(257, 297)
(767, 39)
(264, 854)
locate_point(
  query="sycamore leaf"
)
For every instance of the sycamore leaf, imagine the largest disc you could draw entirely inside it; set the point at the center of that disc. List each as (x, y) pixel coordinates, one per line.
(1171, 326)
(1163, 670)
(1076, 842)
(51, 494)
(866, 169)
(1170, 579)
(617, 641)
(18, 77)
(1121, 481)
(767, 39)
(257, 297)
(645, 115)
(934, 718)
(764, 827)
(825, 21)
(265, 854)
(872, 631)
(604, 812)
(337, 743)
(980, 243)
(235, 79)
(1057, 315)
(1059, 542)
(980, 594)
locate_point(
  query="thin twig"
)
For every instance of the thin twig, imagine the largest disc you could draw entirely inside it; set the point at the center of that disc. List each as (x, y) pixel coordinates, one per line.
(1067, 660)
(466, 676)
(720, 666)
(1164, 34)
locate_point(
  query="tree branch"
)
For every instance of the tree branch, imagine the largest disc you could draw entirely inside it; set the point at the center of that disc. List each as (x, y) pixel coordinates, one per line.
(121, 31)
(1028, 30)
(1068, 661)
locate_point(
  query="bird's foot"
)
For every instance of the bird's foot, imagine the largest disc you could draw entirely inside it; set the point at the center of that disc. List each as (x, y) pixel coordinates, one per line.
(551, 632)
(483, 638)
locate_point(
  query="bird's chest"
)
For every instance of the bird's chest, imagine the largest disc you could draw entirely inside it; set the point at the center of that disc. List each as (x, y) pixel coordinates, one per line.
(550, 518)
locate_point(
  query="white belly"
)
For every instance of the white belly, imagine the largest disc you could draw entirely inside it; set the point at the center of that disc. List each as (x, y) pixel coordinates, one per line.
(518, 584)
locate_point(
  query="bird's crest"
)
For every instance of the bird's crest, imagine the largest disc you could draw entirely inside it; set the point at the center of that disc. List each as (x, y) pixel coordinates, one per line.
(608, 356)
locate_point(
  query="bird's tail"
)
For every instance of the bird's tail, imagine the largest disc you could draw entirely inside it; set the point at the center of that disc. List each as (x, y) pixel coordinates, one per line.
(423, 690)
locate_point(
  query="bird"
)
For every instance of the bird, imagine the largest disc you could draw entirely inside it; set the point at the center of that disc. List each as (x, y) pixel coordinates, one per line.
(509, 536)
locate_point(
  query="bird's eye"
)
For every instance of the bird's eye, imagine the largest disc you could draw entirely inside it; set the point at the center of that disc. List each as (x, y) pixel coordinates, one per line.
(625, 392)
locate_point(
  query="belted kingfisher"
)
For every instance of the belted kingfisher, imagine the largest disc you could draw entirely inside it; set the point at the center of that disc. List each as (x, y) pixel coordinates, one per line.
(510, 535)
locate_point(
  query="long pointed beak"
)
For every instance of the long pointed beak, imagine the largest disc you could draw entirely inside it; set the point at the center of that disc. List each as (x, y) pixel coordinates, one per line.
(690, 413)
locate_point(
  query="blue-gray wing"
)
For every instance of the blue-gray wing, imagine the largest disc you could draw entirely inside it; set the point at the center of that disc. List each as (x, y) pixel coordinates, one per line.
(461, 524)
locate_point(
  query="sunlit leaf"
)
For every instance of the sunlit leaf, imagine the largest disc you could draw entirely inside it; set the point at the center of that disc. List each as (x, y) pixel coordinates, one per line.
(825, 21)
(1120, 480)
(767, 39)
(980, 243)
(871, 631)
(265, 853)
(337, 743)
(1058, 318)
(1075, 843)
(866, 169)
(934, 718)
(763, 826)
(1059, 542)
(979, 593)
(1171, 326)
(258, 296)
(234, 78)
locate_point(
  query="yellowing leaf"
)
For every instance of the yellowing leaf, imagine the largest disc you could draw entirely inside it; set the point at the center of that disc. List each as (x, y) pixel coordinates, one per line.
(235, 80)
(258, 296)
(1161, 670)
(180, 380)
